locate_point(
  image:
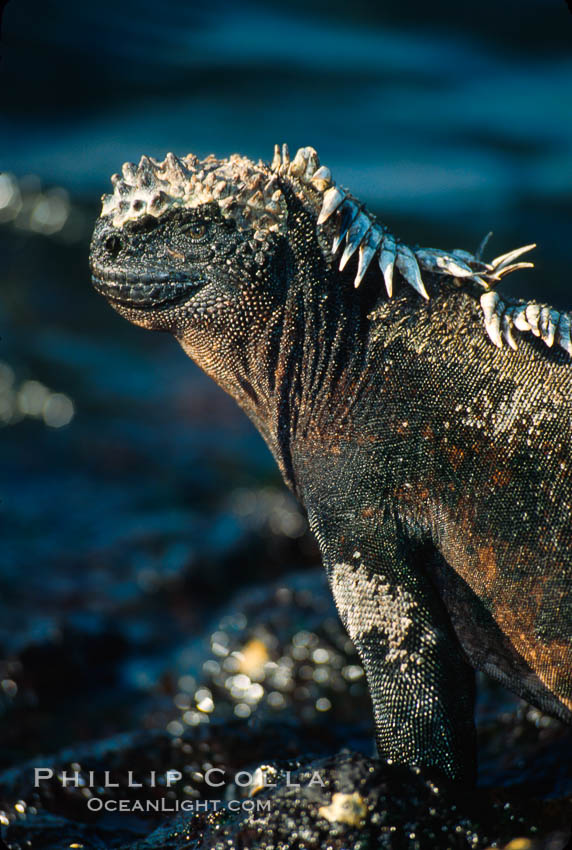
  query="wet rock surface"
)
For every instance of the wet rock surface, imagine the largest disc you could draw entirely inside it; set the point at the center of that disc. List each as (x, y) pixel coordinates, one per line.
(258, 735)
(361, 803)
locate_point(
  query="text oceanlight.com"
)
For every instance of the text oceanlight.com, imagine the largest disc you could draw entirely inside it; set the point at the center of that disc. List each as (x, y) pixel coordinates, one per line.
(96, 804)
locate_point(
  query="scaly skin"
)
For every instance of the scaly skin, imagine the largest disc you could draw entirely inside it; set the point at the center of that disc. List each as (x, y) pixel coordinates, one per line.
(435, 466)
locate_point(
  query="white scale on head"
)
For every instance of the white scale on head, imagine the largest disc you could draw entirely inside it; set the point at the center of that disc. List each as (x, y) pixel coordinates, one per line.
(251, 194)
(244, 190)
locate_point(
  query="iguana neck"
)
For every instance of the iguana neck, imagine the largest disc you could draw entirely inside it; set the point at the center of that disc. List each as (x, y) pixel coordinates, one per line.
(296, 358)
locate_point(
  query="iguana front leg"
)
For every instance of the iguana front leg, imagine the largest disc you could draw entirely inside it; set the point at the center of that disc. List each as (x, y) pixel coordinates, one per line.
(421, 686)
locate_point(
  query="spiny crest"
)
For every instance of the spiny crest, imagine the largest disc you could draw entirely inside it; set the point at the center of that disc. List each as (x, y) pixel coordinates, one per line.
(359, 231)
(245, 191)
(252, 195)
(548, 324)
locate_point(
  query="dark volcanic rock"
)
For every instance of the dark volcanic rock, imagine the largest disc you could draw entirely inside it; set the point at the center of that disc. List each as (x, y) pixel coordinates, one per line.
(362, 803)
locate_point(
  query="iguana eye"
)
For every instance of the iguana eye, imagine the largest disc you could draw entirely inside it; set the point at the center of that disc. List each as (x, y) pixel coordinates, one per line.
(196, 229)
(112, 244)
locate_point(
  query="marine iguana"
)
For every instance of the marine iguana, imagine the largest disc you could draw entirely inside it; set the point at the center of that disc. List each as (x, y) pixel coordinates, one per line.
(426, 429)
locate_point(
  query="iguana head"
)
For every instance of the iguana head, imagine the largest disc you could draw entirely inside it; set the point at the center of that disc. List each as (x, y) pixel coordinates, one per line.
(176, 236)
(195, 247)
(176, 239)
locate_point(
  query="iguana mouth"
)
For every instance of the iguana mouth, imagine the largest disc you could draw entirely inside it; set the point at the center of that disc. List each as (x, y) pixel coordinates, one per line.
(144, 291)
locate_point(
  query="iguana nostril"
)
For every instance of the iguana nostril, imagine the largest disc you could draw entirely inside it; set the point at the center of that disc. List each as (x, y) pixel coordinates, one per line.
(112, 244)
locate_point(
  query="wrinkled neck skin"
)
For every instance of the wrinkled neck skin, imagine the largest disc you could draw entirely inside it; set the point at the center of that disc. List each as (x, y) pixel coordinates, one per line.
(298, 357)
